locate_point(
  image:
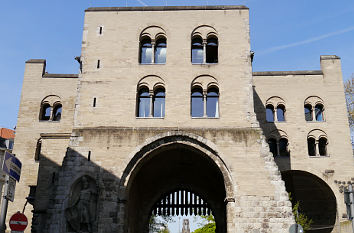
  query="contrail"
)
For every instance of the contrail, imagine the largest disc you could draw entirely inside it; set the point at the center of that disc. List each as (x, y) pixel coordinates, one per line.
(317, 38)
(142, 3)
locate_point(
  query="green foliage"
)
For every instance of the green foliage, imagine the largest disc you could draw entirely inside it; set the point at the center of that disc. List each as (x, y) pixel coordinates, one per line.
(209, 227)
(349, 96)
(300, 218)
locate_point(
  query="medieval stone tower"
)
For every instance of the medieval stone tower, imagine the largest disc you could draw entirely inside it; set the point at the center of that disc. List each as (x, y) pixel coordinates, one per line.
(167, 117)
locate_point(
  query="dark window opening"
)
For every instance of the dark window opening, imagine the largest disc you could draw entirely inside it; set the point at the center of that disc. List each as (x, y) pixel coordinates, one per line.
(212, 50)
(45, 112)
(308, 112)
(281, 113)
(319, 112)
(212, 102)
(89, 156)
(146, 51)
(94, 102)
(322, 146)
(101, 30)
(197, 102)
(311, 146)
(144, 103)
(283, 147)
(160, 51)
(197, 50)
(270, 113)
(273, 146)
(159, 102)
(98, 64)
(57, 112)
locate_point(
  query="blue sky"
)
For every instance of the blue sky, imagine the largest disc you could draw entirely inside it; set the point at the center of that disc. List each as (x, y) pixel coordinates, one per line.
(285, 35)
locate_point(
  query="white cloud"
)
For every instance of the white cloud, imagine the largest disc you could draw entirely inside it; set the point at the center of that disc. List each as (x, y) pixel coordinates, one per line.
(308, 41)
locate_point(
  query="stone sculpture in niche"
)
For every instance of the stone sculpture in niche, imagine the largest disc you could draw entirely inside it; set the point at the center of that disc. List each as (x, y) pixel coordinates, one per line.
(81, 212)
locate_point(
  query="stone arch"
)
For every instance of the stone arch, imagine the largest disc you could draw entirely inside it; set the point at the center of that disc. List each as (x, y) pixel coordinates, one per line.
(313, 100)
(155, 157)
(205, 82)
(151, 82)
(51, 99)
(317, 199)
(204, 31)
(167, 138)
(153, 32)
(316, 134)
(275, 101)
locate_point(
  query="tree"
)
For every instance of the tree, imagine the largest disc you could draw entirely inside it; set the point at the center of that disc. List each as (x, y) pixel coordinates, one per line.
(300, 218)
(209, 227)
(349, 91)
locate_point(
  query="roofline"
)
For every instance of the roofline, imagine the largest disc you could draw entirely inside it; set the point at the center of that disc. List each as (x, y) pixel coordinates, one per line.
(168, 8)
(282, 73)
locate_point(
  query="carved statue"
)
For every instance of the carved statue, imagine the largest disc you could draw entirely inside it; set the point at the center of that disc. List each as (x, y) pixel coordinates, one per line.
(81, 213)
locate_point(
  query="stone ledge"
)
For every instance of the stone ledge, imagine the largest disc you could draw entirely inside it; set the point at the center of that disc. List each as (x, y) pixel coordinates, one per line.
(168, 8)
(46, 75)
(283, 73)
(36, 61)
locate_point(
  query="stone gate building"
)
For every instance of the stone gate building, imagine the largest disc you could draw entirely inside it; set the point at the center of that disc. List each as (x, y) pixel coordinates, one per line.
(167, 117)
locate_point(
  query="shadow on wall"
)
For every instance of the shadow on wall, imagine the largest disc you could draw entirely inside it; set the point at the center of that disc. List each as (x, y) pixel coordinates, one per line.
(68, 196)
(277, 140)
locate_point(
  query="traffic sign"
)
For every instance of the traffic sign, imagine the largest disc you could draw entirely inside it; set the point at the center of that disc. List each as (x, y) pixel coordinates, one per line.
(12, 166)
(11, 189)
(18, 222)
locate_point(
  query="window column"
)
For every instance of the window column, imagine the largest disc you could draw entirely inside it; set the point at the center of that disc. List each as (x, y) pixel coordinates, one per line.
(151, 95)
(275, 114)
(317, 148)
(313, 114)
(153, 53)
(204, 52)
(204, 96)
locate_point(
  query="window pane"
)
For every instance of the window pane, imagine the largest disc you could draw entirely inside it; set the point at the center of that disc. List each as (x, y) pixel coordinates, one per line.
(212, 50)
(322, 146)
(311, 146)
(160, 52)
(272, 146)
(197, 51)
(45, 115)
(308, 113)
(197, 102)
(270, 114)
(146, 55)
(280, 113)
(283, 147)
(144, 107)
(212, 103)
(57, 113)
(319, 112)
(159, 103)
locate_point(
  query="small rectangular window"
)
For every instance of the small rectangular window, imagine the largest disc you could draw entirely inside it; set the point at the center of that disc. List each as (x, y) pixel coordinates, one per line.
(98, 64)
(94, 102)
(100, 31)
(89, 156)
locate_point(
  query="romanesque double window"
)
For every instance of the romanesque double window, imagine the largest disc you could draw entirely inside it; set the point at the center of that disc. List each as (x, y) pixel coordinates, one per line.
(153, 45)
(204, 47)
(314, 109)
(275, 109)
(278, 143)
(51, 109)
(317, 143)
(151, 97)
(205, 97)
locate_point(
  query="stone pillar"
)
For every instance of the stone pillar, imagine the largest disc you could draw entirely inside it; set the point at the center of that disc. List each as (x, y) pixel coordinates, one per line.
(151, 94)
(153, 51)
(204, 103)
(204, 50)
(230, 214)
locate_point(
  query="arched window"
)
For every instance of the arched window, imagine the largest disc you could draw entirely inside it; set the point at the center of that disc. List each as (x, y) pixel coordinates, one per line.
(160, 51)
(144, 102)
(197, 50)
(281, 113)
(57, 112)
(322, 146)
(146, 51)
(212, 102)
(159, 102)
(308, 112)
(311, 146)
(270, 113)
(283, 147)
(45, 112)
(197, 102)
(273, 146)
(212, 50)
(319, 112)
